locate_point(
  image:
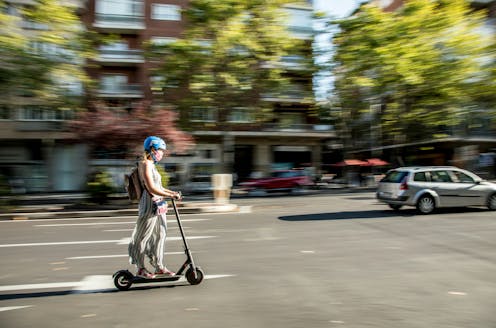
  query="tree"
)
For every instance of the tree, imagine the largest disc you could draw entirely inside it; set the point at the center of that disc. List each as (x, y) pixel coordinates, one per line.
(226, 59)
(123, 133)
(42, 64)
(418, 70)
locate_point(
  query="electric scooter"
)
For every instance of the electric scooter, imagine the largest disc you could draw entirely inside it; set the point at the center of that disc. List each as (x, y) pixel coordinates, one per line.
(123, 279)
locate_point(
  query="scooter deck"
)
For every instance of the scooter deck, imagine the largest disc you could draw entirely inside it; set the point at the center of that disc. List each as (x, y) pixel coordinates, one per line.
(158, 278)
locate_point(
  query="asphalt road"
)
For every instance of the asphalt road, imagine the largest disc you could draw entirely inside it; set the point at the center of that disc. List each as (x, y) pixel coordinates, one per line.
(339, 260)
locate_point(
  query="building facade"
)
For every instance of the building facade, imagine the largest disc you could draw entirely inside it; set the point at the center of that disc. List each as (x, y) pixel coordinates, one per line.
(37, 152)
(294, 139)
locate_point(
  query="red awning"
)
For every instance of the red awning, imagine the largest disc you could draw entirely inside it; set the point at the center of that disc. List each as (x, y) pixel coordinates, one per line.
(376, 162)
(351, 162)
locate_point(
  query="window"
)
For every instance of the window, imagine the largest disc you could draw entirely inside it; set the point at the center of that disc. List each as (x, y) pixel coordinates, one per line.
(119, 45)
(395, 176)
(113, 82)
(241, 115)
(4, 112)
(461, 177)
(420, 176)
(120, 7)
(202, 114)
(31, 113)
(440, 176)
(166, 12)
(162, 40)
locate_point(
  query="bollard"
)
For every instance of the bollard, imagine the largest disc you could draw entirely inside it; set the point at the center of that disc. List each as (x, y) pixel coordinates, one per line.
(222, 184)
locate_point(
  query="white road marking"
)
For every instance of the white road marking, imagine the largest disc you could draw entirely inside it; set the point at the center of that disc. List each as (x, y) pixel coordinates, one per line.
(82, 242)
(9, 288)
(118, 230)
(75, 219)
(9, 308)
(83, 224)
(457, 293)
(111, 256)
(108, 223)
(89, 315)
(128, 230)
(62, 243)
(212, 215)
(125, 241)
(94, 283)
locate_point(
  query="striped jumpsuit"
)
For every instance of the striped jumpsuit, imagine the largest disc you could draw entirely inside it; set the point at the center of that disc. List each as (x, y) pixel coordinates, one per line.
(149, 234)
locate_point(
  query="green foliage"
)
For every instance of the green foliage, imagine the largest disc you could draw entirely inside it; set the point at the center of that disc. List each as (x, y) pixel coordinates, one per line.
(165, 176)
(222, 60)
(99, 187)
(43, 62)
(426, 63)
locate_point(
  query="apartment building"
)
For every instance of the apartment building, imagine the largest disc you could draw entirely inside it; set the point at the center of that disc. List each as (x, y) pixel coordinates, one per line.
(295, 138)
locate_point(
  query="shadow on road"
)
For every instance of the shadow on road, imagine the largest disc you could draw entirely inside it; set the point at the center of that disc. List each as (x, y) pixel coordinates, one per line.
(14, 296)
(374, 214)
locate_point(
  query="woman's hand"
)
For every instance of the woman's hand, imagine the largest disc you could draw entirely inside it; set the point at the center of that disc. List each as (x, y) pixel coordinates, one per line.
(177, 196)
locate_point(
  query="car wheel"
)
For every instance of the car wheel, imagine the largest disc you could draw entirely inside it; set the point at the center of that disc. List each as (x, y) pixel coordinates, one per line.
(491, 202)
(298, 189)
(258, 192)
(426, 204)
(395, 206)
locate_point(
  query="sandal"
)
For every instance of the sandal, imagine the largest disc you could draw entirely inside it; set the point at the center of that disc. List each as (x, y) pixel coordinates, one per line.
(165, 272)
(144, 273)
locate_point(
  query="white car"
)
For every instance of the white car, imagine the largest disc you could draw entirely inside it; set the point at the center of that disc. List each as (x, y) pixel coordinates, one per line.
(431, 187)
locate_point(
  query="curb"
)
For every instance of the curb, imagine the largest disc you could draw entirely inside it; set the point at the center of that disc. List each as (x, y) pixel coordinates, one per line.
(187, 208)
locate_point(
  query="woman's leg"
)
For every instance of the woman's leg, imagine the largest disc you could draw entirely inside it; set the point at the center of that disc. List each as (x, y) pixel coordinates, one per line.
(160, 242)
(139, 240)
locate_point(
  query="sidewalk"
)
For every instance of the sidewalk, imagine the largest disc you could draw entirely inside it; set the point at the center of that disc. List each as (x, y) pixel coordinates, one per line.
(71, 205)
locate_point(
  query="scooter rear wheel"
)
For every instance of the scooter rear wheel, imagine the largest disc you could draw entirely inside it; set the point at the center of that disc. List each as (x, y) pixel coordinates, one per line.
(123, 280)
(190, 276)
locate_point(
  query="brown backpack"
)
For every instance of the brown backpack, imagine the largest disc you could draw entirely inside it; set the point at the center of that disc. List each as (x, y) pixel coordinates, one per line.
(133, 185)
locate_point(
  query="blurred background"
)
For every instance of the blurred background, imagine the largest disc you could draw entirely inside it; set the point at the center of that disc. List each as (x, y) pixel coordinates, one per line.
(335, 89)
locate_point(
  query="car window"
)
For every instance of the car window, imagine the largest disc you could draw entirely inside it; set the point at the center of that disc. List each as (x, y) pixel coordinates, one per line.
(283, 174)
(440, 176)
(461, 177)
(420, 176)
(395, 176)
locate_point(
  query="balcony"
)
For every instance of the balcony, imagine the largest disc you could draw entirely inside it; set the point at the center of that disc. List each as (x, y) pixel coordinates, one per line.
(264, 130)
(113, 57)
(35, 125)
(114, 23)
(295, 95)
(121, 91)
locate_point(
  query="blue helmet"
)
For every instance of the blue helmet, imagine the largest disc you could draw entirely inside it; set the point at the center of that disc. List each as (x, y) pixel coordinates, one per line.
(155, 142)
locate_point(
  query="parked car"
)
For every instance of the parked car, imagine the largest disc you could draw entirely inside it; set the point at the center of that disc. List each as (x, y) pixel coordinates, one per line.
(285, 180)
(199, 184)
(431, 187)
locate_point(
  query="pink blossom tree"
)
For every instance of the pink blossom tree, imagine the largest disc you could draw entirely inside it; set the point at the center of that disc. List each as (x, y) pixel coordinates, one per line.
(109, 129)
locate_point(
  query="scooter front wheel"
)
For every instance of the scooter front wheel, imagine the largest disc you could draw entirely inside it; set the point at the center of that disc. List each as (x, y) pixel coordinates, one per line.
(192, 279)
(123, 280)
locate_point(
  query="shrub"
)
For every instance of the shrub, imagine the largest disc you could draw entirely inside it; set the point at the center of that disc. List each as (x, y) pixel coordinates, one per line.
(99, 187)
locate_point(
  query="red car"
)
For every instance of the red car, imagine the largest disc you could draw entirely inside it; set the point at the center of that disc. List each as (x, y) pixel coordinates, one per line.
(289, 180)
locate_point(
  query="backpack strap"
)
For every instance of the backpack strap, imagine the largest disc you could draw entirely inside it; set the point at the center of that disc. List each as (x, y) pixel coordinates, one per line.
(142, 180)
